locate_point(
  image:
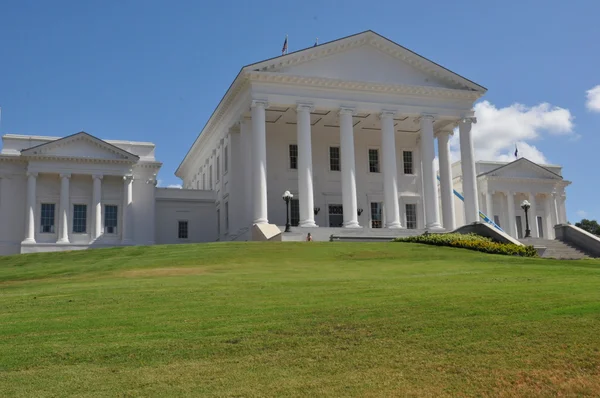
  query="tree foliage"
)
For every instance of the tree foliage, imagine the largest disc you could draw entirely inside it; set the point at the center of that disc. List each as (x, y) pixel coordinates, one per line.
(591, 226)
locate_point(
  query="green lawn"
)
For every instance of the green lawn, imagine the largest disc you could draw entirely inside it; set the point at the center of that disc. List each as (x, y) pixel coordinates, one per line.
(297, 319)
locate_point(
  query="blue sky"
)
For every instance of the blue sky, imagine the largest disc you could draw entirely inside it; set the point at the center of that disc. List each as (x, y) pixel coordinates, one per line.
(155, 70)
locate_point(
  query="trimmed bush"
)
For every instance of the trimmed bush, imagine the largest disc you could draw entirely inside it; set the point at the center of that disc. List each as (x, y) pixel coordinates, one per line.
(471, 242)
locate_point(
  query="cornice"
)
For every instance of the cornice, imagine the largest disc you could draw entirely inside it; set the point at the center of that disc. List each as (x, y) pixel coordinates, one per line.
(329, 83)
(525, 180)
(76, 159)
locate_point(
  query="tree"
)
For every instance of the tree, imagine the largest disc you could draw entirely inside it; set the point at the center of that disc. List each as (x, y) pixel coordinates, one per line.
(591, 226)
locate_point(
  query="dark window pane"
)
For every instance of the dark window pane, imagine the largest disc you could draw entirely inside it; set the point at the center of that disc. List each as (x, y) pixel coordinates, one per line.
(334, 158)
(182, 230)
(374, 160)
(293, 156)
(79, 219)
(408, 162)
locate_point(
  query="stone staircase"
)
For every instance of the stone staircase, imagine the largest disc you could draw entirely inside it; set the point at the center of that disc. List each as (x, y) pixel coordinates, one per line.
(555, 249)
(347, 234)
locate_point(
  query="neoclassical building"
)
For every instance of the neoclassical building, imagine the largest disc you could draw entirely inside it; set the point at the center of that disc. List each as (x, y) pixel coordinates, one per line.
(349, 127)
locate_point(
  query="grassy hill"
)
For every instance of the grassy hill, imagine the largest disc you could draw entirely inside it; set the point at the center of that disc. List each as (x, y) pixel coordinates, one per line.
(297, 319)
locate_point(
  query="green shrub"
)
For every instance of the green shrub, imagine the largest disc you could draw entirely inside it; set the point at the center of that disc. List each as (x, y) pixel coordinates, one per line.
(471, 242)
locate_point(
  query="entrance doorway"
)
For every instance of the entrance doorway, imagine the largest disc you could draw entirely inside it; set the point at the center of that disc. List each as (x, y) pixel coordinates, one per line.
(336, 215)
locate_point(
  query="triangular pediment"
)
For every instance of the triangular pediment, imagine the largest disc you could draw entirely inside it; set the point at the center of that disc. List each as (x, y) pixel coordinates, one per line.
(523, 169)
(366, 57)
(80, 146)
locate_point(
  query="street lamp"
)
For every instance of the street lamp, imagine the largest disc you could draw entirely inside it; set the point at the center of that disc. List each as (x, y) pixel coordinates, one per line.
(525, 205)
(287, 196)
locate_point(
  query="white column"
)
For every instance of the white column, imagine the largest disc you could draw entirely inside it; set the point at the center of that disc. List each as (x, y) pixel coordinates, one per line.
(467, 162)
(31, 201)
(448, 214)
(63, 213)
(349, 200)
(548, 217)
(430, 187)
(556, 214)
(563, 208)
(246, 132)
(489, 204)
(97, 205)
(390, 170)
(533, 225)
(305, 174)
(511, 226)
(127, 227)
(259, 162)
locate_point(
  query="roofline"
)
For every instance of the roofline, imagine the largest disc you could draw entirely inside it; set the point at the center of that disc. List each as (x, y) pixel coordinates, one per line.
(518, 160)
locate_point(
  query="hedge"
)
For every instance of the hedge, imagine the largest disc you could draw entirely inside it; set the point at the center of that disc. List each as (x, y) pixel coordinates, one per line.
(471, 242)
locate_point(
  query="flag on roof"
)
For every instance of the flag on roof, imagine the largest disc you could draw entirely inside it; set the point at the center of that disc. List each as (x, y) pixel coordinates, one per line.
(316, 42)
(516, 151)
(285, 46)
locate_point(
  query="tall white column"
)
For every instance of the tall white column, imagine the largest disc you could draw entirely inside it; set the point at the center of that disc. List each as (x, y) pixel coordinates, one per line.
(390, 170)
(31, 200)
(127, 227)
(489, 204)
(511, 226)
(305, 174)
(556, 213)
(448, 213)
(97, 205)
(246, 132)
(467, 162)
(349, 200)
(430, 187)
(63, 213)
(259, 162)
(533, 225)
(548, 217)
(563, 208)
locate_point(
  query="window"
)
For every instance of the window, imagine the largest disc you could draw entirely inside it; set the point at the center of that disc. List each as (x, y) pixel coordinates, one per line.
(225, 158)
(218, 168)
(407, 157)
(210, 177)
(47, 218)
(374, 160)
(376, 215)
(540, 227)
(334, 158)
(519, 228)
(110, 219)
(218, 222)
(226, 217)
(497, 221)
(79, 219)
(336, 216)
(203, 180)
(293, 156)
(182, 229)
(411, 216)
(294, 212)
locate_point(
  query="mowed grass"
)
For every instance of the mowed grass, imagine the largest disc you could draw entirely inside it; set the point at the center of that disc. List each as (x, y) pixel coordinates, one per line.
(297, 319)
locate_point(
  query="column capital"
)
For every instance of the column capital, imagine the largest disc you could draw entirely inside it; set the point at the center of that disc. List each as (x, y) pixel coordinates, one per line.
(32, 174)
(260, 103)
(444, 133)
(385, 113)
(97, 176)
(65, 175)
(304, 106)
(347, 110)
(469, 119)
(127, 178)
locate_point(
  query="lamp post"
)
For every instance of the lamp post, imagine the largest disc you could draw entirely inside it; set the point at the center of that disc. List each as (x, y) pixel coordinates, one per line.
(287, 196)
(525, 205)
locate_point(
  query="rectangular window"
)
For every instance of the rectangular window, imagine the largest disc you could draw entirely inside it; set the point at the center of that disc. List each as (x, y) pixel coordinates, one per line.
(376, 215)
(411, 216)
(182, 229)
(519, 228)
(79, 219)
(407, 157)
(110, 219)
(374, 160)
(225, 158)
(336, 216)
(293, 156)
(210, 177)
(540, 226)
(47, 218)
(294, 212)
(226, 217)
(497, 221)
(218, 168)
(334, 158)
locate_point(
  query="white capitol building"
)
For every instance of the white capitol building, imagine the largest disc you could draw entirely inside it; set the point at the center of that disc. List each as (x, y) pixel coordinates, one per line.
(349, 127)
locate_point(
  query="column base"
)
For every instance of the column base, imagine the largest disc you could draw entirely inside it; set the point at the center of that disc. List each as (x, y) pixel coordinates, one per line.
(395, 225)
(261, 221)
(351, 224)
(63, 242)
(308, 224)
(435, 227)
(28, 241)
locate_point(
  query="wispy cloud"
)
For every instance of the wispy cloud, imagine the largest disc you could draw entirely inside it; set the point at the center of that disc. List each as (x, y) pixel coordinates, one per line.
(593, 99)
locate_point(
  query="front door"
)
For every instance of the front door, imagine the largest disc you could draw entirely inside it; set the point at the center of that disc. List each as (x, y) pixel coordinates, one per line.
(336, 215)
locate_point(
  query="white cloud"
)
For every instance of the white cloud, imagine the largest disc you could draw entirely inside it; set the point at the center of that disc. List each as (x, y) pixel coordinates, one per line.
(498, 130)
(582, 213)
(593, 99)
(176, 186)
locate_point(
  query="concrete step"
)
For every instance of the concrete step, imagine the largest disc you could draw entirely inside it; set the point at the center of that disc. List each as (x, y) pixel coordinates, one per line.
(555, 249)
(347, 234)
